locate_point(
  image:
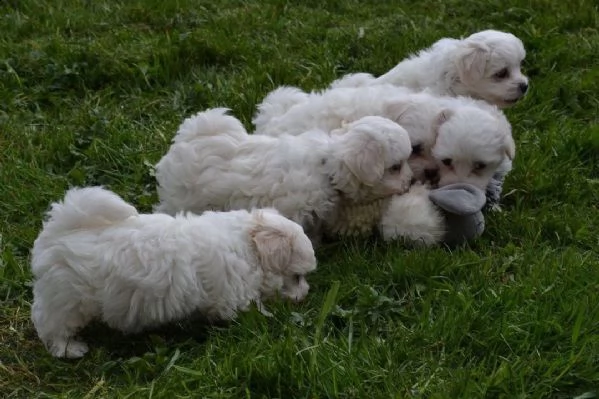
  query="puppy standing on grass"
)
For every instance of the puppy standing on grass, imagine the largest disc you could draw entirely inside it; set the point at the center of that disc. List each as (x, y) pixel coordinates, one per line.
(213, 164)
(97, 257)
(486, 65)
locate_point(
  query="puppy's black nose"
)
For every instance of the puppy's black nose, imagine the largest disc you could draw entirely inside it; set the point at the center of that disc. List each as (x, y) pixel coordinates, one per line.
(523, 87)
(431, 174)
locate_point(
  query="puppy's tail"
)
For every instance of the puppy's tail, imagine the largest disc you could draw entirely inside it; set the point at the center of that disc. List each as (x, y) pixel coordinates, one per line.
(87, 207)
(276, 104)
(213, 122)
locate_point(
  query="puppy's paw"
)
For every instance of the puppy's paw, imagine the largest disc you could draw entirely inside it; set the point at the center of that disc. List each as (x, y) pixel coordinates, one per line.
(70, 349)
(76, 349)
(263, 309)
(496, 208)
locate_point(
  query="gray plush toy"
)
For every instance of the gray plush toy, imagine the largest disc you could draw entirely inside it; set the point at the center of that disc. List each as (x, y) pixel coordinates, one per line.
(450, 215)
(462, 207)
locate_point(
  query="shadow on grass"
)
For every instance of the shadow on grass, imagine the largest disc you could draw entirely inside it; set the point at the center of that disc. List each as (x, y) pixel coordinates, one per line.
(120, 345)
(122, 357)
(262, 384)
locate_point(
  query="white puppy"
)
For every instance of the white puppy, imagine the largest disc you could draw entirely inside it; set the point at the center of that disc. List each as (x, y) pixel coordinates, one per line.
(213, 164)
(485, 65)
(468, 156)
(96, 257)
(463, 139)
(414, 218)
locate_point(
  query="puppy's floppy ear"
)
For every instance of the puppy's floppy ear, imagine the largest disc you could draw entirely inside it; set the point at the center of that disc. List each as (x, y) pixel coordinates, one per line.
(510, 147)
(363, 156)
(273, 244)
(472, 61)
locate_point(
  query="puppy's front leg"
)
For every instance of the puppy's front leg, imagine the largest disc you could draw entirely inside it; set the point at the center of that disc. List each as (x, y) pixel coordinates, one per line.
(262, 309)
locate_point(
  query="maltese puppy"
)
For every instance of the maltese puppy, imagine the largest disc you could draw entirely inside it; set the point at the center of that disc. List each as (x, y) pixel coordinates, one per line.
(454, 139)
(486, 65)
(472, 156)
(97, 257)
(414, 218)
(214, 164)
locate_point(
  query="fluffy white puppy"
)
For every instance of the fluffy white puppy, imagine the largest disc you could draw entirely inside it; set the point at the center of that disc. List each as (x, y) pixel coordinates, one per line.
(213, 164)
(456, 139)
(485, 65)
(468, 156)
(413, 217)
(97, 257)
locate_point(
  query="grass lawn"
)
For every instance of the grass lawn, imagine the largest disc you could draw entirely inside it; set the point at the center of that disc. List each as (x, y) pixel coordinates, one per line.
(91, 92)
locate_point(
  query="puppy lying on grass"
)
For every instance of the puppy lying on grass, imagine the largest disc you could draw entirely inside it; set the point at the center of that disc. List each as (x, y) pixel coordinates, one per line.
(485, 65)
(454, 139)
(98, 258)
(214, 164)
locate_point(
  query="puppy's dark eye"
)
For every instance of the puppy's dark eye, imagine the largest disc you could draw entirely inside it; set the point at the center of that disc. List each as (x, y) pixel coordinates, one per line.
(447, 161)
(417, 149)
(297, 278)
(479, 166)
(395, 168)
(502, 74)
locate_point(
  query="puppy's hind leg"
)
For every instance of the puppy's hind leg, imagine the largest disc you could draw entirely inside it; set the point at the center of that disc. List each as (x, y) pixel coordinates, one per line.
(57, 316)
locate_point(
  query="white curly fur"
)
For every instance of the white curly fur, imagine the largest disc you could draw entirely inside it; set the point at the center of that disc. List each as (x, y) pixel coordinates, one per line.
(358, 219)
(413, 218)
(97, 257)
(473, 134)
(213, 164)
(278, 102)
(485, 65)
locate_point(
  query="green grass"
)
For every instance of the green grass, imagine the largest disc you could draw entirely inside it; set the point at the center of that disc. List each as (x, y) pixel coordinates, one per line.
(91, 92)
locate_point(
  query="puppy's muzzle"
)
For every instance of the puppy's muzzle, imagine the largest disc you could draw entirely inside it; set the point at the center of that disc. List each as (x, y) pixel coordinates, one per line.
(432, 175)
(523, 87)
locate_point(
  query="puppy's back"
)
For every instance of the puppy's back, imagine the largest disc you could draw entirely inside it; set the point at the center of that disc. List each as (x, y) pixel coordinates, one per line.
(81, 208)
(213, 122)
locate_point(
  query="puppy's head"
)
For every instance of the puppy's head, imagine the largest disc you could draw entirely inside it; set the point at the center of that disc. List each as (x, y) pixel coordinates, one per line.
(471, 145)
(285, 254)
(372, 157)
(420, 123)
(488, 67)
